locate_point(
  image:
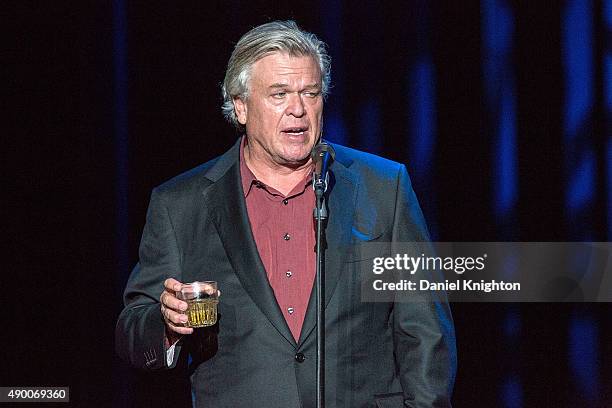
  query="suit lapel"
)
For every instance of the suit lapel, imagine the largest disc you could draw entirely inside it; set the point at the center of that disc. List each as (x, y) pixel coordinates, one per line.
(341, 204)
(227, 206)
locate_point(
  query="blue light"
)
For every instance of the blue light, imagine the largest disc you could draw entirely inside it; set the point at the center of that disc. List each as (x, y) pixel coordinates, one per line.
(512, 393)
(582, 182)
(120, 118)
(505, 167)
(578, 62)
(370, 137)
(334, 128)
(607, 69)
(608, 57)
(332, 26)
(498, 28)
(608, 77)
(583, 356)
(422, 118)
(512, 324)
(499, 84)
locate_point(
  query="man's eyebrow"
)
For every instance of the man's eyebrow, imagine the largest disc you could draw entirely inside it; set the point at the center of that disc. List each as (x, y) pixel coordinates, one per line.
(277, 85)
(316, 85)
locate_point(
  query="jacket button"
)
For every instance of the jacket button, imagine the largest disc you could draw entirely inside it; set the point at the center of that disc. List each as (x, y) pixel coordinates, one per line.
(299, 357)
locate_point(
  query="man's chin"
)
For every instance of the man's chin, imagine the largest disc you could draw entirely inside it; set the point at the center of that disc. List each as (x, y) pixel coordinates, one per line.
(296, 161)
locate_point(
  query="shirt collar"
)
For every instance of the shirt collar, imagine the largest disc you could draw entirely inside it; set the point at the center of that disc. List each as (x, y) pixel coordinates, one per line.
(249, 180)
(246, 175)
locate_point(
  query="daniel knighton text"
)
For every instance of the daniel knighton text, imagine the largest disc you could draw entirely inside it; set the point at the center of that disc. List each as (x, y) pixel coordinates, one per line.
(486, 271)
(466, 285)
(459, 265)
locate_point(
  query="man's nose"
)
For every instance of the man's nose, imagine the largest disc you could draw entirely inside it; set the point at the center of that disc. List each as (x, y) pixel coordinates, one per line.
(295, 106)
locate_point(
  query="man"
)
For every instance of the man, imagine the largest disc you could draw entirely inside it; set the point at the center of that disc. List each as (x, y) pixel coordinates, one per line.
(245, 220)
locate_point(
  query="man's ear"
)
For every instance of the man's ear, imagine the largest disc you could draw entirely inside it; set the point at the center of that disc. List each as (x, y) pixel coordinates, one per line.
(240, 109)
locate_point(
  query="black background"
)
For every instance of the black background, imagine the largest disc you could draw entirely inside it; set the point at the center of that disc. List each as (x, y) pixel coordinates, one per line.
(66, 265)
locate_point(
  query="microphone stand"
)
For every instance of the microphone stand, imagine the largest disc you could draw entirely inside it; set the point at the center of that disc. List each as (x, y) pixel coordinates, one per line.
(320, 216)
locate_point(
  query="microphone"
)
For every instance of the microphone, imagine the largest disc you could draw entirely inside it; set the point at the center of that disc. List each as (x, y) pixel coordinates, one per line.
(322, 156)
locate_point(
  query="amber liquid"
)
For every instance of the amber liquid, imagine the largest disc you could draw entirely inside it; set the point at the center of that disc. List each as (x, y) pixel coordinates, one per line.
(201, 312)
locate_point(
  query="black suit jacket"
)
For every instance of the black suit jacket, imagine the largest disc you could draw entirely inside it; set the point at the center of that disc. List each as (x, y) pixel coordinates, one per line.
(394, 354)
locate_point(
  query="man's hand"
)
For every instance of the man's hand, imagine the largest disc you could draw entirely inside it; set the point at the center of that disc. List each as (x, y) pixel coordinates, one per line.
(173, 311)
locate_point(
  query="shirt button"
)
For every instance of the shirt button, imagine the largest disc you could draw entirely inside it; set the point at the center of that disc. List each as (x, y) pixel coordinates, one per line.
(300, 357)
(288, 274)
(290, 310)
(285, 201)
(287, 237)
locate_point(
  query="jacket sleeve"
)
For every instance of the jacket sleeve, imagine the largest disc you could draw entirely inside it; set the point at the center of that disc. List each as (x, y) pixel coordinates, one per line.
(140, 330)
(424, 337)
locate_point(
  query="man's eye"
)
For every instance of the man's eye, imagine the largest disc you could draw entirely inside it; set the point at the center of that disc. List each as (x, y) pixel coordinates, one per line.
(312, 94)
(279, 95)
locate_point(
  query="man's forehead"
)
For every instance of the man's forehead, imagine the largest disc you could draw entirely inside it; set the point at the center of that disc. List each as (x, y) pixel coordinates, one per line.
(286, 55)
(278, 63)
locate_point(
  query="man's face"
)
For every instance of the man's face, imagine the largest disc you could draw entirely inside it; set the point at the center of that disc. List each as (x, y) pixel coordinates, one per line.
(283, 110)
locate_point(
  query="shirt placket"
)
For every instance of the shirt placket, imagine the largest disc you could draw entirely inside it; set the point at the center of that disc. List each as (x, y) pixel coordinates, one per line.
(286, 268)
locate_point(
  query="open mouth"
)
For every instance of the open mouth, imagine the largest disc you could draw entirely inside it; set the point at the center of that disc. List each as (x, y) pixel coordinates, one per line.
(295, 131)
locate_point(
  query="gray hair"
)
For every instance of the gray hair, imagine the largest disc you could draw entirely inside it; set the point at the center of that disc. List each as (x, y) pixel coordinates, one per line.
(263, 40)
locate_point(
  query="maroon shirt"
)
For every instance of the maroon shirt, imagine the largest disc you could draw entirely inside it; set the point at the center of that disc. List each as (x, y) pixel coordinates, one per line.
(283, 228)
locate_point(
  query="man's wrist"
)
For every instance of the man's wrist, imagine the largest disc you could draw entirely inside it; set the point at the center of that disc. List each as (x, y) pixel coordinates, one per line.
(171, 338)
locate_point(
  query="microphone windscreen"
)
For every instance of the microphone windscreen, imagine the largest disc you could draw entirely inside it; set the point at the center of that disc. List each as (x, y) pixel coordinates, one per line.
(319, 150)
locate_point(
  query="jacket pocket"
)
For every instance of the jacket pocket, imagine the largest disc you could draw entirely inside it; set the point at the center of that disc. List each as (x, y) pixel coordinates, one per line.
(367, 250)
